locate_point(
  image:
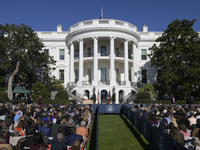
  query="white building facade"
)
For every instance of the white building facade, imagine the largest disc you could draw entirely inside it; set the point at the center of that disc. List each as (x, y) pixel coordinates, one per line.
(104, 56)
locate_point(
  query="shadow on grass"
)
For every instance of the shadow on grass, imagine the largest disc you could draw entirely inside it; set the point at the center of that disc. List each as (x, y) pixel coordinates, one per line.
(92, 144)
(145, 145)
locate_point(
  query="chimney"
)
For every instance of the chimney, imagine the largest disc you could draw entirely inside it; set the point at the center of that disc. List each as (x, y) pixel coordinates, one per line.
(145, 28)
(59, 28)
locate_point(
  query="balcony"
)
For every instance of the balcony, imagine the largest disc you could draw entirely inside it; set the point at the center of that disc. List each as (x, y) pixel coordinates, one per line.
(107, 54)
(96, 23)
(119, 55)
(121, 82)
(86, 83)
(88, 55)
(104, 82)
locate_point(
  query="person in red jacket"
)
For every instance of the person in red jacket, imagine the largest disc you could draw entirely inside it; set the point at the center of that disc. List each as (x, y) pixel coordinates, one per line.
(40, 100)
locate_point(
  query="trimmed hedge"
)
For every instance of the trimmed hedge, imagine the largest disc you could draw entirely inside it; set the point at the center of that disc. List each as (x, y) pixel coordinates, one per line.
(143, 96)
(62, 94)
(45, 101)
(3, 96)
(149, 101)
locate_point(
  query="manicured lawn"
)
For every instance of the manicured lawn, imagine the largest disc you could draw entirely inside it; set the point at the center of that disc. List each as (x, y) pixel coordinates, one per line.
(115, 134)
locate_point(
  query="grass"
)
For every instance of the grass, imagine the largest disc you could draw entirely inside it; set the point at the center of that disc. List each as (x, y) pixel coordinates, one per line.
(116, 133)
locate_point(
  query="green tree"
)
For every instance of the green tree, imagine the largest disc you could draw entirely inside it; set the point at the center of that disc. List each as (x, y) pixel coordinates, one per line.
(147, 91)
(40, 89)
(57, 85)
(21, 55)
(62, 94)
(177, 59)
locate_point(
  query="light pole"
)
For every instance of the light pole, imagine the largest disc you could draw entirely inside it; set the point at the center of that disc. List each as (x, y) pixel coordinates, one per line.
(94, 89)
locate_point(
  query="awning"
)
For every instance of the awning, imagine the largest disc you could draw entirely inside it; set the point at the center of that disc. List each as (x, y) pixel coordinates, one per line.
(19, 90)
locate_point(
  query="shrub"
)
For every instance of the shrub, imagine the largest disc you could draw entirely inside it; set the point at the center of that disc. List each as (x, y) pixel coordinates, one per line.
(149, 91)
(62, 94)
(143, 96)
(3, 95)
(40, 89)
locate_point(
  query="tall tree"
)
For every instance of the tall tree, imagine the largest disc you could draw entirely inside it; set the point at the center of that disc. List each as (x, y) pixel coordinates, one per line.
(21, 54)
(177, 59)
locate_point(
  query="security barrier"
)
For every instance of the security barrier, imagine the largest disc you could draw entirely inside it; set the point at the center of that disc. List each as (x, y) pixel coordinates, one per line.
(158, 139)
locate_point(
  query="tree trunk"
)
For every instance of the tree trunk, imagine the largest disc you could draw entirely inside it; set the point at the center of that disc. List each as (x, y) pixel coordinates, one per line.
(10, 80)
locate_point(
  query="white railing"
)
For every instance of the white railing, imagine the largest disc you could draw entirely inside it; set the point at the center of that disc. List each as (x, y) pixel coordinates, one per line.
(102, 23)
(77, 97)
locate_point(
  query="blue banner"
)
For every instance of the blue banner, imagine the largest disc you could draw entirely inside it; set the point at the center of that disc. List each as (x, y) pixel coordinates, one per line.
(110, 108)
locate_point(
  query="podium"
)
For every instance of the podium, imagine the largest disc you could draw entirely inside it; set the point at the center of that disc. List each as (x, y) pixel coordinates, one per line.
(107, 101)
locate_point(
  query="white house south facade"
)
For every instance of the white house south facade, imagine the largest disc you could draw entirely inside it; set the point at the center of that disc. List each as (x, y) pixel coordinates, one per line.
(104, 56)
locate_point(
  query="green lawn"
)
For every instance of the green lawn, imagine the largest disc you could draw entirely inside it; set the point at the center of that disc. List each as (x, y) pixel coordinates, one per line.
(116, 133)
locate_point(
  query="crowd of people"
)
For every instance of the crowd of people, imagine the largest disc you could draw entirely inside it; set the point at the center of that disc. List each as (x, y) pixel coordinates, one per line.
(67, 126)
(181, 122)
(41, 127)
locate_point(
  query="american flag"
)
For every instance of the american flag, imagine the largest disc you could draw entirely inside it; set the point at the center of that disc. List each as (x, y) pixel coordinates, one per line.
(98, 96)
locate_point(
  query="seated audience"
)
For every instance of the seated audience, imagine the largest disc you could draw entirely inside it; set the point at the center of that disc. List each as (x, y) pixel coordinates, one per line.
(15, 138)
(76, 146)
(59, 144)
(184, 130)
(73, 137)
(196, 140)
(38, 142)
(45, 128)
(82, 130)
(3, 143)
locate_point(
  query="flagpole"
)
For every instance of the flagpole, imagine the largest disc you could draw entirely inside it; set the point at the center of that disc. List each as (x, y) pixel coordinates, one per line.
(101, 13)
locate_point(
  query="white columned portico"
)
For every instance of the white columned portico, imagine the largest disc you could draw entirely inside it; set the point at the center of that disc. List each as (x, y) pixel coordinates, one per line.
(134, 63)
(95, 62)
(126, 62)
(71, 62)
(80, 62)
(112, 63)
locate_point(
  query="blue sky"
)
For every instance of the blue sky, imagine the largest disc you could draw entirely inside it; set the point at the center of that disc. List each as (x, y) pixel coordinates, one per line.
(45, 15)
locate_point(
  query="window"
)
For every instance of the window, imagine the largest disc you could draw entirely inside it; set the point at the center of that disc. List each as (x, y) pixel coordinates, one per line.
(130, 52)
(89, 52)
(144, 54)
(46, 51)
(76, 75)
(117, 75)
(117, 52)
(62, 75)
(62, 54)
(129, 75)
(103, 74)
(89, 75)
(103, 50)
(76, 54)
(144, 76)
